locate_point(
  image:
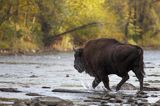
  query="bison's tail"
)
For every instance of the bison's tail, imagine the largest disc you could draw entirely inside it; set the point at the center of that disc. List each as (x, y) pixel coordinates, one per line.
(140, 61)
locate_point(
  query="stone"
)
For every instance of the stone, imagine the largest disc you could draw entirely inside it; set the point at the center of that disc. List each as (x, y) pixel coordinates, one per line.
(143, 104)
(106, 98)
(95, 97)
(92, 100)
(70, 91)
(126, 86)
(37, 66)
(37, 103)
(9, 90)
(112, 100)
(118, 100)
(54, 101)
(19, 103)
(131, 100)
(67, 75)
(111, 95)
(142, 93)
(154, 96)
(22, 102)
(146, 84)
(33, 76)
(142, 96)
(144, 100)
(46, 87)
(151, 89)
(43, 101)
(33, 94)
(33, 51)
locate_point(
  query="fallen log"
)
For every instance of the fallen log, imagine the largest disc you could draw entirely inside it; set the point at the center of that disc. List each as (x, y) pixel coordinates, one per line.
(70, 91)
(49, 40)
(9, 90)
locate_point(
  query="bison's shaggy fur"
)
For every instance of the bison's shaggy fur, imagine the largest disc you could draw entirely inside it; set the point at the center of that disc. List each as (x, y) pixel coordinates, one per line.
(102, 57)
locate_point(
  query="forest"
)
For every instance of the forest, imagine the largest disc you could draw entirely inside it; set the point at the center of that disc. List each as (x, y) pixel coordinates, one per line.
(27, 25)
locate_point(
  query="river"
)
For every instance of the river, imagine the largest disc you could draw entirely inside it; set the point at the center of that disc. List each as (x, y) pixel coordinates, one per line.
(31, 73)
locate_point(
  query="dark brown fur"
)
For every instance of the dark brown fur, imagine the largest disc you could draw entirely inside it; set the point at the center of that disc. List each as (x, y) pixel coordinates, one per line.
(102, 57)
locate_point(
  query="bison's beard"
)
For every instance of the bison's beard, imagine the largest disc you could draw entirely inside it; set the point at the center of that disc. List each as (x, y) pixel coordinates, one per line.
(79, 68)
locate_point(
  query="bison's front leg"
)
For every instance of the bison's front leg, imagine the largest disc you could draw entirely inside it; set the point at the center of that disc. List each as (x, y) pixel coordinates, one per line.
(106, 82)
(124, 79)
(95, 82)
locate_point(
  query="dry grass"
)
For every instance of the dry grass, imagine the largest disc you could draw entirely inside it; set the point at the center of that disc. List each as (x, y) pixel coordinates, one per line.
(64, 45)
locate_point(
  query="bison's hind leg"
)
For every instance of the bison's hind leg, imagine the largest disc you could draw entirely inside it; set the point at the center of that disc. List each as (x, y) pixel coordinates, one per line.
(95, 82)
(140, 77)
(124, 79)
(105, 81)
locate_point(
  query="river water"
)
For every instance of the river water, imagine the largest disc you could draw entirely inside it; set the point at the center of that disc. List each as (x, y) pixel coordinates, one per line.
(31, 73)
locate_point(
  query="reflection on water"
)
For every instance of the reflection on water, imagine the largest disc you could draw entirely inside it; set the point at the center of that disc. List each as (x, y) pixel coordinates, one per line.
(31, 73)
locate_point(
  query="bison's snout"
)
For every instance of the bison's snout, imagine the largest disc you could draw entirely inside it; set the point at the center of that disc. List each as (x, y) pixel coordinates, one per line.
(75, 67)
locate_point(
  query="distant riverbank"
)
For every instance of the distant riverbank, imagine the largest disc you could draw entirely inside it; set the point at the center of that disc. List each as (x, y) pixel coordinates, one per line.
(29, 52)
(47, 51)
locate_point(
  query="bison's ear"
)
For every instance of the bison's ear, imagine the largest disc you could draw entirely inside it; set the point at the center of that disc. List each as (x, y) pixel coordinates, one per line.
(74, 49)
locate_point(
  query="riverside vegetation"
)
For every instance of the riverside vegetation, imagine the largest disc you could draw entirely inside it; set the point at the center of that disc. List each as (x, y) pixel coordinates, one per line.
(32, 25)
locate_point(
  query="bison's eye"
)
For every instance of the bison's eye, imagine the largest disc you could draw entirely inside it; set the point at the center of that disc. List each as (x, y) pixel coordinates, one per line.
(78, 64)
(78, 52)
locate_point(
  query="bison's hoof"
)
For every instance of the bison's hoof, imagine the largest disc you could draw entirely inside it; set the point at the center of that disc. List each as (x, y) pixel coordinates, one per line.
(93, 86)
(109, 89)
(140, 92)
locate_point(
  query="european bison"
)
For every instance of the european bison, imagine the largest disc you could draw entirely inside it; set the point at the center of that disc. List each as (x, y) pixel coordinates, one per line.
(104, 56)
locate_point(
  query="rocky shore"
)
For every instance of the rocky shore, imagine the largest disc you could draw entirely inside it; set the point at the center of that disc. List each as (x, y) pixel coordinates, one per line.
(38, 101)
(91, 98)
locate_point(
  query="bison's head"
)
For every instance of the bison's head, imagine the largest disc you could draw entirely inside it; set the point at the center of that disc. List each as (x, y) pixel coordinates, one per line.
(78, 60)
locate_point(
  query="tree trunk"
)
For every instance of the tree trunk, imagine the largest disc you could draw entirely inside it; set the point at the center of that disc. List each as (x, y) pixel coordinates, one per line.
(45, 26)
(126, 27)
